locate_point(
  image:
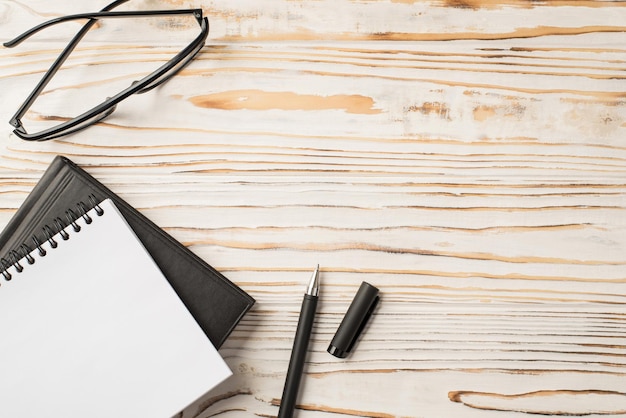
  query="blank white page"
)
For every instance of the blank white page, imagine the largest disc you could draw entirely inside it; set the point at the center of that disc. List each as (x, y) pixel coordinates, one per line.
(93, 329)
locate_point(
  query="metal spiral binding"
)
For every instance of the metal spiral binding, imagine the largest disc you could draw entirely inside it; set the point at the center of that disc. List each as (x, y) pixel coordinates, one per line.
(15, 258)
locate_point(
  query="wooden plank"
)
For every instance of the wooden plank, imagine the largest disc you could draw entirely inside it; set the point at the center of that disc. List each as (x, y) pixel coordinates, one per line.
(467, 158)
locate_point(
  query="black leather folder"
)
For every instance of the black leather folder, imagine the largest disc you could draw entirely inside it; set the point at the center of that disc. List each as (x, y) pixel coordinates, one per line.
(215, 302)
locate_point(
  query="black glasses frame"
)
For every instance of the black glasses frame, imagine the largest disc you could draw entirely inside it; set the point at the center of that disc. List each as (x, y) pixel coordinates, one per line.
(98, 113)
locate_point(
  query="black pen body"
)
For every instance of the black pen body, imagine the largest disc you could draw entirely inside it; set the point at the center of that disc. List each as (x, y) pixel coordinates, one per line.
(298, 356)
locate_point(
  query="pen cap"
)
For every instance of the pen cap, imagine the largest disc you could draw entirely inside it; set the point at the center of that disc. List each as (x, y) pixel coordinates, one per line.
(354, 321)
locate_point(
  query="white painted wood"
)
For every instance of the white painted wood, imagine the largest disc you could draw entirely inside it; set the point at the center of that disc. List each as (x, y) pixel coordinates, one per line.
(467, 158)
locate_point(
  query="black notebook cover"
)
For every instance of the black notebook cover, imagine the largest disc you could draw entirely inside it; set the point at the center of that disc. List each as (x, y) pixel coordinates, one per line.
(215, 302)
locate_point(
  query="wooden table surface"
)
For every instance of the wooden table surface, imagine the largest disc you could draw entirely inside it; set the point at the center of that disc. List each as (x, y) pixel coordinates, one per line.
(467, 157)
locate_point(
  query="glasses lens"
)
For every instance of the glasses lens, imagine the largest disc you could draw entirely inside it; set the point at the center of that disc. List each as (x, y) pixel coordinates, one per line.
(113, 56)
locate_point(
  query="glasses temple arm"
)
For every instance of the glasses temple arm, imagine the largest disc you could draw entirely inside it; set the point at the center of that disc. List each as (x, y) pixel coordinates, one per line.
(197, 13)
(15, 120)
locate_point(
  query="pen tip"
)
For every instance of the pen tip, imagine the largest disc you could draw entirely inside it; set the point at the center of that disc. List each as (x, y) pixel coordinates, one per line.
(314, 283)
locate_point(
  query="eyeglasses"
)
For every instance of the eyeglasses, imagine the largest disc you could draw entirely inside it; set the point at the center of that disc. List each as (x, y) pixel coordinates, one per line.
(106, 108)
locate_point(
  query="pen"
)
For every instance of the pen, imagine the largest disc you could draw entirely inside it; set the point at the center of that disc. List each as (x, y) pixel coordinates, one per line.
(300, 344)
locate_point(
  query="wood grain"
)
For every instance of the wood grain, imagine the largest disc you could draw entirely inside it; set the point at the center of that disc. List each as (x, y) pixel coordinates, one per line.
(466, 157)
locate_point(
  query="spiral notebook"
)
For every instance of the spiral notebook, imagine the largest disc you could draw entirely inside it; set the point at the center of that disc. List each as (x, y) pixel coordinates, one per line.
(90, 327)
(216, 303)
